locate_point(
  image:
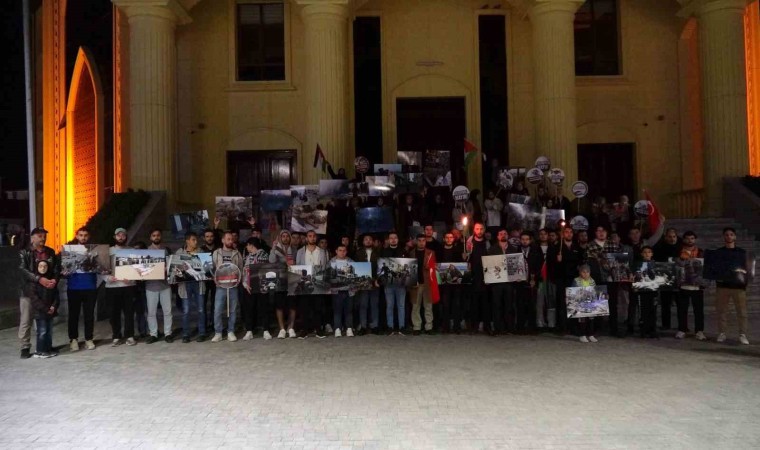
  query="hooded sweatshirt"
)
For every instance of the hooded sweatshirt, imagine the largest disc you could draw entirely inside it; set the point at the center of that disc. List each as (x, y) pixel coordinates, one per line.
(281, 253)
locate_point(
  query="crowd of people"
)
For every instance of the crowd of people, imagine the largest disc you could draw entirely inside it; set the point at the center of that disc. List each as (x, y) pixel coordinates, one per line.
(554, 260)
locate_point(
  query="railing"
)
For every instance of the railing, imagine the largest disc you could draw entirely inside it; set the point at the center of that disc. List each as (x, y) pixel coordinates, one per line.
(685, 204)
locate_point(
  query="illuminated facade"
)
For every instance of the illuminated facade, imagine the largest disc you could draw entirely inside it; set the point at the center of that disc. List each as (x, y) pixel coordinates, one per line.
(184, 94)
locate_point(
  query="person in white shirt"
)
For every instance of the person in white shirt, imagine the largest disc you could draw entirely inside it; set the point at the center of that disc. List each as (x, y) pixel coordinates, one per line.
(311, 306)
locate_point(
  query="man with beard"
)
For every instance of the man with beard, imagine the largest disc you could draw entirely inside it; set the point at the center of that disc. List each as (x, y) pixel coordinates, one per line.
(81, 290)
(284, 253)
(733, 286)
(502, 294)
(546, 294)
(227, 254)
(209, 245)
(568, 256)
(477, 246)
(395, 296)
(369, 299)
(120, 295)
(158, 291)
(668, 249)
(691, 291)
(311, 306)
(424, 294)
(525, 291)
(30, 257)
(451, 294)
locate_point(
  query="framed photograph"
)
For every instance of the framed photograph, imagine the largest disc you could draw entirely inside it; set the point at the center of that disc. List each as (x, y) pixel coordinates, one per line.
(524, 217)
(276, 200)
(83, 259)
(234, 208)
(454, 273)
(182, 268)
(591, 301)
(338, 189)
(269, 277)
(195, 221)
(378, 219)
(306, 218)
(399, 272)
(307, 280)
(345, 275)
(139, 265)
(504, 268)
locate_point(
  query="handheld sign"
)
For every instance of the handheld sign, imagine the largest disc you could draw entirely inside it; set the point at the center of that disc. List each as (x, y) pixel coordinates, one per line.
(556, 176)
(460, 193)
(543, 163)
(643, 208)
(361, 164)
(579, 223)
(227, 276)
(579, 189)
(535, 175)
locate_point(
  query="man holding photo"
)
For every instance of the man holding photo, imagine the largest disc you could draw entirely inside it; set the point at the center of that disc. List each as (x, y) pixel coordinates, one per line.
(312, 306)
(158, 291)
(81, 290)
(395, 296)
(369, 299)
(120, 296)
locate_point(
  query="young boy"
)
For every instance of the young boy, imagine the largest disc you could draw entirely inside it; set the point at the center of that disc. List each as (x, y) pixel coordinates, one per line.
(45, 304)
(585, 324)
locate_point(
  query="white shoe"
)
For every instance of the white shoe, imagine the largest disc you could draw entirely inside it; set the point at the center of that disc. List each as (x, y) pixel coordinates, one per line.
(680, 335)
(282, 334)
(131, 341)
(90, 345)
(291, 333)
(328, 328)
(584, 339)
(338, 333)
(349, 332)
(74, 346)
(701, 336)
(231, 337)
(248, 336)
(267, 336)
(743, 339)
(217, 337)
(721, 338)
(115, 343)
(592, 339)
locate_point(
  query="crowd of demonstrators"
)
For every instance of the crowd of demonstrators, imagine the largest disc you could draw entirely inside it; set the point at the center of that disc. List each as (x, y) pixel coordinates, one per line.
(555, 259)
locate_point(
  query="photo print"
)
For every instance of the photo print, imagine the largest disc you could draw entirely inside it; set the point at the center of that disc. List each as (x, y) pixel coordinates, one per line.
(524, 217)
(275, 200)
(268, 277)
(307, 218)
(437, 167)
(408, 183)
(336, 189)
(552, 218)
(411, 162)
(305, 195)
(579, 223)
(386, 169)
(398, 272)
(504, 268)
(195, 221)
(139, 265)
(690, 272)
(345, 275)
(234, 208)
(378, 219)
(520, 199)
(83, 259)
(182, 268)
(454, 273)
(504, 179)
(307, 280)
(655, 276)
(380, 186)
(358, 188)
(616, 267)
(591, 301)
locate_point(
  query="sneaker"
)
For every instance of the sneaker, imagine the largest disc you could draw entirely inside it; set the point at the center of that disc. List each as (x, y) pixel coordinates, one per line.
(89, 345)
(743, 339)
(131, 341)
(592, 339)
(291, 333)
(319, 334)
(151, 339)
(721, 338)
(267, 335)
(217, 337)
(115, 343)
(349, 332)
(25, 353)
(390, 332)
(400, 332)
(74, 345)
(169, 339)
(701, 336)
(231, 337)
(282, 334)
(44, 355)
(201, 338)
(186, 340)
(338, 333)
(680, 335)
(584, 339)
(248, 336)
(328, 329)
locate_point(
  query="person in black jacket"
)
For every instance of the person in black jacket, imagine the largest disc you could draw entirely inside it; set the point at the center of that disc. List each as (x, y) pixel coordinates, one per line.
(451, 294)
(503, 304)
(30, 257)
(732, 286)
(395, 296)
(668, 249)
(370, 298)
(45, 304)
(568, 256)
(525, 295)
(477, 246)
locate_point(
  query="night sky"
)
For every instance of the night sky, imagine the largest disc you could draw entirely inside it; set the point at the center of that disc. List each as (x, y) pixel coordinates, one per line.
(13, 169)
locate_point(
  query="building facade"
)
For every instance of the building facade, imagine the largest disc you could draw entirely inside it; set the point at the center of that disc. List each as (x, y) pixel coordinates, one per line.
(227, 97)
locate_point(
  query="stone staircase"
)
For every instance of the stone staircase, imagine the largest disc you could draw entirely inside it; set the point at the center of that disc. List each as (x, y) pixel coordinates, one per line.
(710, 236)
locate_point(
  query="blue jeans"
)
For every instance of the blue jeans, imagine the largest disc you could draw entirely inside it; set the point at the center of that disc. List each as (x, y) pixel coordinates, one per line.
(220, 303)
(44, 335)
(343, 306)
(371, 300)
(395, 295)
(193, 294)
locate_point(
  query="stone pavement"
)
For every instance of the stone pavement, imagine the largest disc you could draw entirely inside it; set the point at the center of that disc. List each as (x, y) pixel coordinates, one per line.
(429, 392)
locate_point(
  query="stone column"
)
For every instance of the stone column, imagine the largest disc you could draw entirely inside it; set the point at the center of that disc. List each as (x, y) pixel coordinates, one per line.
(326, 49)
(152, 92)
(554, 82)
(724, 94)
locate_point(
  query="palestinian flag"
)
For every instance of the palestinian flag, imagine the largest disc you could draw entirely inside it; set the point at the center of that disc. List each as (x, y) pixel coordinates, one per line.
(470, 153)
(319, 160)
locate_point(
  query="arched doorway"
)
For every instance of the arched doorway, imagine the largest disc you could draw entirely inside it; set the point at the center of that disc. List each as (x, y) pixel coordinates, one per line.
(84, 143)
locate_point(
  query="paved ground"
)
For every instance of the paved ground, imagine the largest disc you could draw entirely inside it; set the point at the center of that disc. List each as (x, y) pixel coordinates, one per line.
(425, 392)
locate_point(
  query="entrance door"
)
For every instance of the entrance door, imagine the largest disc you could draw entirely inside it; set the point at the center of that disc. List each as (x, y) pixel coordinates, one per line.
(608, 169)
(250, 172)
(436, 123)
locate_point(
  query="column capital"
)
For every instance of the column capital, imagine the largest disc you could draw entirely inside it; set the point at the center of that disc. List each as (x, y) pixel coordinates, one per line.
(166, 9)
(698, 7)
(537, 7)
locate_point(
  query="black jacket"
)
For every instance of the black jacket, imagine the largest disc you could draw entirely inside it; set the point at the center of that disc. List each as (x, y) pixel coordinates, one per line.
(572, 257)
(29, 265)
(397, 252)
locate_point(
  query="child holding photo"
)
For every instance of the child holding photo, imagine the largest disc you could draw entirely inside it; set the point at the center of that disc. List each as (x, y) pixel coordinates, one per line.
(585, 324)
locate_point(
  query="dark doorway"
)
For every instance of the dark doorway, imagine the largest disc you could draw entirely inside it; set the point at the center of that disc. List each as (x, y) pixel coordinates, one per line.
(250, 172)
(608, 169)
(436, 123)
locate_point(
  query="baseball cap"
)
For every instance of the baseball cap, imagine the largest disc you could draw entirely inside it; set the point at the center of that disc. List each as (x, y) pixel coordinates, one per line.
(37, 230)
(119, 230)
